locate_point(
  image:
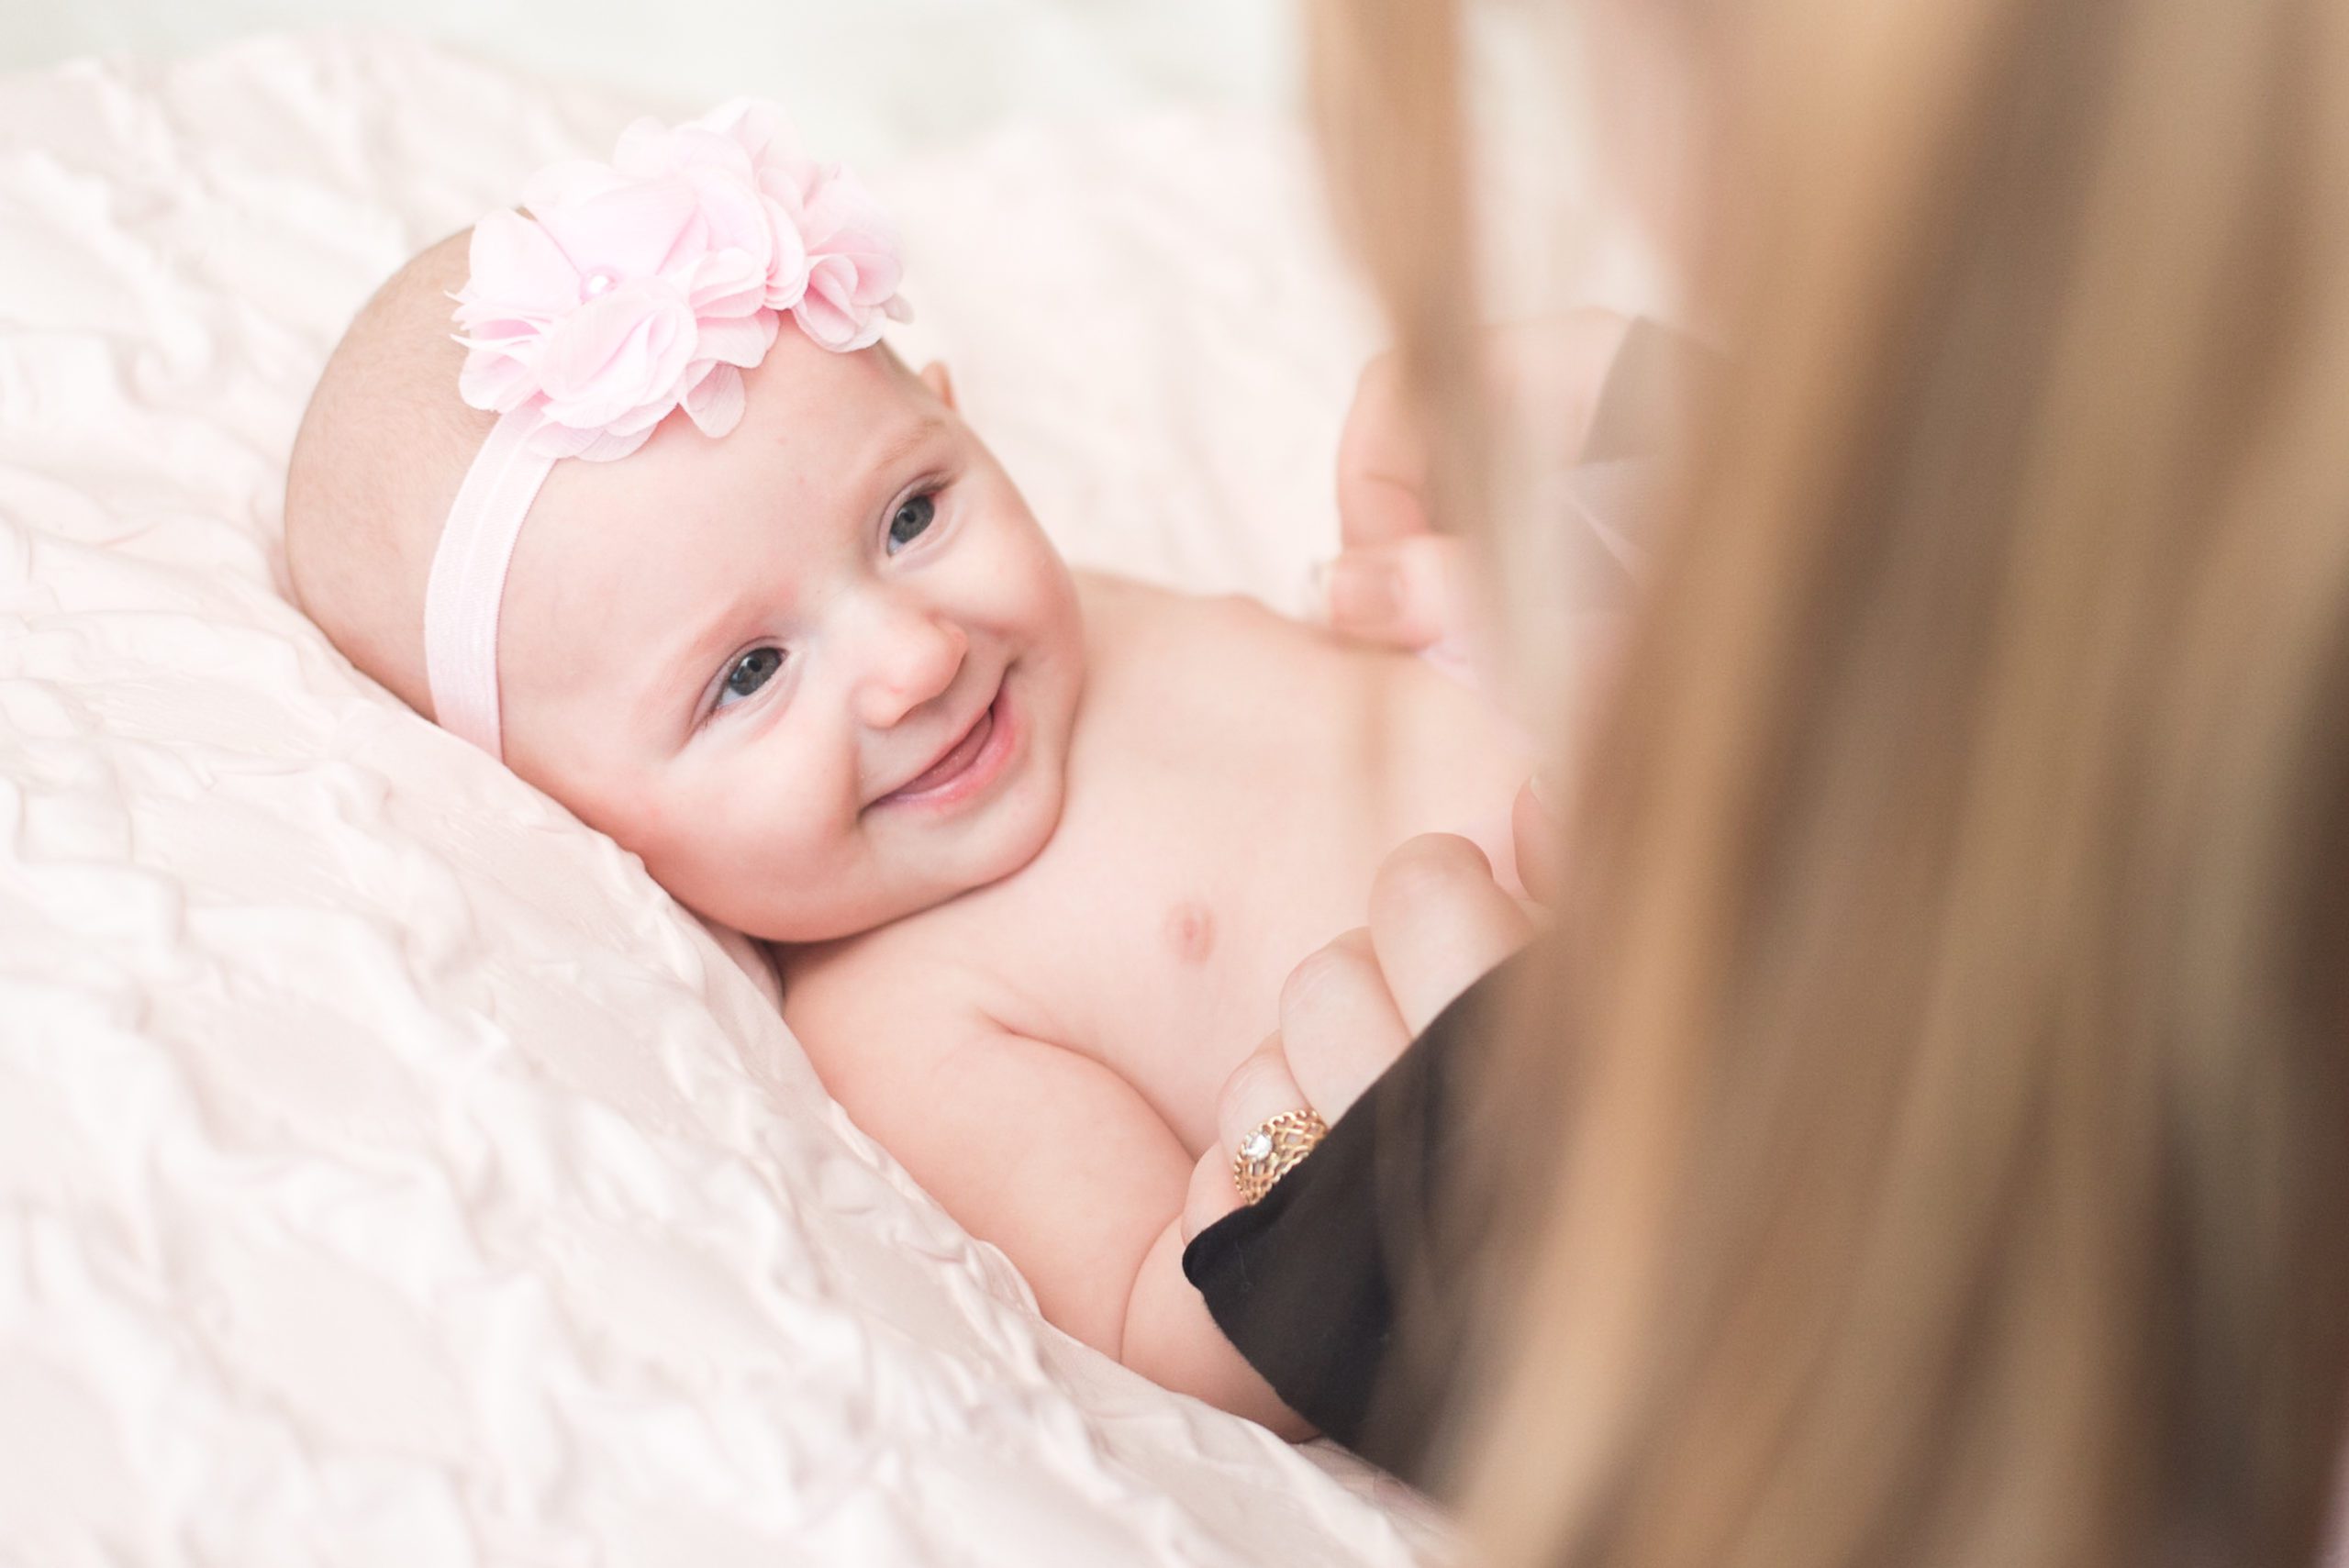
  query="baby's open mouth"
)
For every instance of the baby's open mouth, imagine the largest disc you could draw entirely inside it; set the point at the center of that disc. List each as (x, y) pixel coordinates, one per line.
(964, 767)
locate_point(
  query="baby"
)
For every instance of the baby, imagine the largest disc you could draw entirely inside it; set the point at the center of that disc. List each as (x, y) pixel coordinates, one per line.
(1037, 849)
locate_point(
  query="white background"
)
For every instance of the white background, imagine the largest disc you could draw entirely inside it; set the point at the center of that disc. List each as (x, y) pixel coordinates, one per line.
(869, 79)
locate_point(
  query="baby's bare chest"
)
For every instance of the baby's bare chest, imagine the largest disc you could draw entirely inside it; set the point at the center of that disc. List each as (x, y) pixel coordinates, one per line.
(1164, 961)
(1195, 870)
(1218, 827)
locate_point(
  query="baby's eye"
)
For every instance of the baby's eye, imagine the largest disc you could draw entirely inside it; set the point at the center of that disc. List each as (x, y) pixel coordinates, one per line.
(911, 522)
(751, 671)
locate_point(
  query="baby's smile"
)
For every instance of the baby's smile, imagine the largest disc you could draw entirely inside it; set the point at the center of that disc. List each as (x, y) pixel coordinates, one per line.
(964, 770)
(804, 652)
(868, 710)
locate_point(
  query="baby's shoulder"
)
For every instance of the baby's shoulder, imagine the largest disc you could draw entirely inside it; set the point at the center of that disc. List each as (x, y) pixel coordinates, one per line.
(879, 999)
(1145, 610)
(1149, 634)
(853, 974)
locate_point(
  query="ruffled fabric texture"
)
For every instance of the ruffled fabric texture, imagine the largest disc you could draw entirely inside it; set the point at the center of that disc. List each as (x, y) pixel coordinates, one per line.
(390, 1173)
(626, 291)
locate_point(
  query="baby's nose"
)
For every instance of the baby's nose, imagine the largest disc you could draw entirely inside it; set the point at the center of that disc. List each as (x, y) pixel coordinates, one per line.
(915, 656)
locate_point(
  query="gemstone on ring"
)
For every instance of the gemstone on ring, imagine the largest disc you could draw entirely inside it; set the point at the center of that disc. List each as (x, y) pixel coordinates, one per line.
(1273, 1149)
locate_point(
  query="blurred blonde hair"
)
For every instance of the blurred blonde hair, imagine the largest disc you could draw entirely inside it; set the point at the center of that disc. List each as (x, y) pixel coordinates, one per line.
(1931, 1132)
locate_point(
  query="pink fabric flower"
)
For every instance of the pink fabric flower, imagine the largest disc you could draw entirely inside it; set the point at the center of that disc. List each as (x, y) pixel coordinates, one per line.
(650, 284)
(778, 170)
(853, 266)
(848, 280)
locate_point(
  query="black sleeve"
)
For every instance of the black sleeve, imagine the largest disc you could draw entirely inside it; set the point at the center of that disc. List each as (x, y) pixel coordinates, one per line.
(1375, 1230)
(1307, 1282)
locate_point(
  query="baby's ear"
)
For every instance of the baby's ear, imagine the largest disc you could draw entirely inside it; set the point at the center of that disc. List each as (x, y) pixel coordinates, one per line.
(941, 384)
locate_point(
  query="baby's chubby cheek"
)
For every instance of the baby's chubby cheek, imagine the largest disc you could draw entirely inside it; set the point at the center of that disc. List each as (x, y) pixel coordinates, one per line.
(738, 857)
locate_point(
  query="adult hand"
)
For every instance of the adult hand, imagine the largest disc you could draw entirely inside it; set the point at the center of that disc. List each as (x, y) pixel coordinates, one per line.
(1438, 922)
(1396, 580)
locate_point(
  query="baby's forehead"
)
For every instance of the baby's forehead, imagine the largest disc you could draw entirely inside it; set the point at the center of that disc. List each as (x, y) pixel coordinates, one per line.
(804, 393)
(627, 549)
(816, 428)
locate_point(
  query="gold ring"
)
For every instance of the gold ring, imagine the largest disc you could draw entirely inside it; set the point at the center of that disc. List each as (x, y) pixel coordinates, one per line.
(1272, 1149)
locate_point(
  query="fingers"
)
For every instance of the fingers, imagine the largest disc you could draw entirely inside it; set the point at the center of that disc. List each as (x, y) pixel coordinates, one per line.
(1258, 1089)
(1552, 369)
(1382, 463)
(1544, 804)
(1395, 579)
(1438, 922)
(1403, 594)
(1211, 1195)
(1338, 1031)
(1340, 1028)
(1534, 827)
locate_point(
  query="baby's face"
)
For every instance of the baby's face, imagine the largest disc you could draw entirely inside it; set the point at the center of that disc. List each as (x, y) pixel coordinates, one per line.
(819, 673)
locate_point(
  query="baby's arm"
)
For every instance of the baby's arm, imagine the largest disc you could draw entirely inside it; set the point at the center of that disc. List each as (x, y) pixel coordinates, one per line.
(1054, 1158)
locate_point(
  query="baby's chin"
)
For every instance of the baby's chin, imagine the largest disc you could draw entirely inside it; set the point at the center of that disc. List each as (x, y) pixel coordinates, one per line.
(803, 926)
(922, 869)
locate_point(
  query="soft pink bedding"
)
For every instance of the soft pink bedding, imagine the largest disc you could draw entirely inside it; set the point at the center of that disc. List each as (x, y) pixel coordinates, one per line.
(389, 1172)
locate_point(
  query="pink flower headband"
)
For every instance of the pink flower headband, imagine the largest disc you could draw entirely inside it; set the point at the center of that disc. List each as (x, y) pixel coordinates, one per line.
(634, 288)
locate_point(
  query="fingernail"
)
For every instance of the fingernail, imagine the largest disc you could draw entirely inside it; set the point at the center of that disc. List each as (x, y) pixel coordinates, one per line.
(1363, 591)
(1317, 593)
(1546, 792)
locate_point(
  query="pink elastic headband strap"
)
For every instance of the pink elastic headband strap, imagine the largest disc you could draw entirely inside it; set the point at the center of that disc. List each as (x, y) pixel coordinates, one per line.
(468, 582)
